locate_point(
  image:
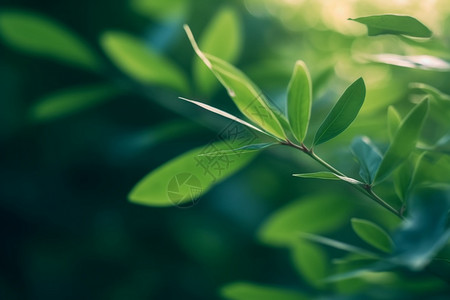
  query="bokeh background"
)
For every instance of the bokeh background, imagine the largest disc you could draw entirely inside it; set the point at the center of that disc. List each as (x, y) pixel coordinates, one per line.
(67, 228)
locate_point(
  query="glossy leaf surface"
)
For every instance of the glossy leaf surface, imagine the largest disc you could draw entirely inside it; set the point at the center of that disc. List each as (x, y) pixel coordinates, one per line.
(299, 100)
(343, 113)
(394, 24)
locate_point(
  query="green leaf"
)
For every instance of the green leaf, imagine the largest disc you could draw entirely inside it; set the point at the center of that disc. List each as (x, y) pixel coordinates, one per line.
(223, 114)
(247, 97)
(433, 169)
(244, 149)
(432, 91)
(142, 63)
(223, 39)
(188, 176)
(299, 100)
(373, 235)
(70, 101)
(281, 228)
(311, 262)
(405, 176)
(329, 176)
(404, 142)
(251, 291)
(442, 145)
(39, 35)
(423, 233)
(394, 24)
(351, 264)
(422, 62)
(343, 113)
(368, 156)
(402, 180)
(160, 10)
(337, 244)
(352, 270)
(393, 120)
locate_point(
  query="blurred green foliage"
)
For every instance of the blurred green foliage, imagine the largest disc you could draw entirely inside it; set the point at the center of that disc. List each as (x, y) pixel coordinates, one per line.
(89, 106)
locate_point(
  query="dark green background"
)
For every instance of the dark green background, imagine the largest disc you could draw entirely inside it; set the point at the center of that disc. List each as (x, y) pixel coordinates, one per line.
(67, 229)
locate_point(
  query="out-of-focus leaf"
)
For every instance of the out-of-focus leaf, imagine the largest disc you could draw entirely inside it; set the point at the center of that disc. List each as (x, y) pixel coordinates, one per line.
(329, 176)
(394, 24)
(424, 231)
(311, 262)
(434, 169)
(404, 142)
(299, 100)
(140, 62)
(251, 291)
(432, 91)
(320, 80)
(368, 156)
(350, 265)
(423, 62)
(188, 176)
(405, 176)
(442, 145)
(283, 226)
(355, 269)
(244, 149)
(393, 120)
(343, 113)
(373, 235)
(247, 97)
(160, 10)
(337, 244)
(71, 101)
(434, 44)
(222, 38)
(223, 114)
(36, 34)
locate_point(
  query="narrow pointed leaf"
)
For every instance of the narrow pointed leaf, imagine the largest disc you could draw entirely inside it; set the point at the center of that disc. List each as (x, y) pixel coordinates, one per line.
(244, 149)
(394, 24)
(188, 176)
(402, 180)
(70, 101)
(251, 291)
(432, 91)
(222, 113)
(337, 244)
(393, 120)
(442, 145)
(329, 176)
(221, 38)
(404, 142)
(247, 97)
(299, 100)
(136, 59)
(343, 113)
(422, 62)
(368, 156)
(39, 35)
(361, 268)
(405, 176)
(373, 235)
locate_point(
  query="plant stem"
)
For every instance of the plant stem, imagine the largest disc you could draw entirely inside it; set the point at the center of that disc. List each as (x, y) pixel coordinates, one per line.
(366, 190)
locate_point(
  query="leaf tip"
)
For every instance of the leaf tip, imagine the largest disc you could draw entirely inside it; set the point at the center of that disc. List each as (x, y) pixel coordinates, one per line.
(195, 46)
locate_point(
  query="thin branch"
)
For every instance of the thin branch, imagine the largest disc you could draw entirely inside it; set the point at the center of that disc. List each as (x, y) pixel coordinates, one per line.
(366, 190)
